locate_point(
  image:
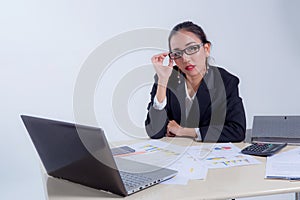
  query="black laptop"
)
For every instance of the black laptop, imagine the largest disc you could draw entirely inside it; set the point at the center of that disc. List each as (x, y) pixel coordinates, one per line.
(81, 154)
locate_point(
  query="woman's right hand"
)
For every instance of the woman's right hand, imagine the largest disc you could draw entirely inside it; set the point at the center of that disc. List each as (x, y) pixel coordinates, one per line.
(163, 72)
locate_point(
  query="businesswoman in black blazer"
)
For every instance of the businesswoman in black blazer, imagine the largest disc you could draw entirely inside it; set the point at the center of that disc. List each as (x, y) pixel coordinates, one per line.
(193, 98)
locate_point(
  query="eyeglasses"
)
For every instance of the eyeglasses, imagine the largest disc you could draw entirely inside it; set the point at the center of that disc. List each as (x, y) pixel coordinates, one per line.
(188, 51)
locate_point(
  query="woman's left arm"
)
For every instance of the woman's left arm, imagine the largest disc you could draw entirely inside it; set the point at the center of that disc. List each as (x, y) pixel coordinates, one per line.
(234, 127)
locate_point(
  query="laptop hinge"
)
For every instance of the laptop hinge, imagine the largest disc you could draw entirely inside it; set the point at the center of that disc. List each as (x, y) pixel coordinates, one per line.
(276, 140)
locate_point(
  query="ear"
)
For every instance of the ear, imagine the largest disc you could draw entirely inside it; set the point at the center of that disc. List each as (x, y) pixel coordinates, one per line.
(207, 49)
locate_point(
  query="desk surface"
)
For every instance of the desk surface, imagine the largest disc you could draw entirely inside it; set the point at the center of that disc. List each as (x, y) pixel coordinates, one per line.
(234, 182)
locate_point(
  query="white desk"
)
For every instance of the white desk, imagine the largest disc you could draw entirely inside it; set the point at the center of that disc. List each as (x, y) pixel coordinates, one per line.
(234, 182)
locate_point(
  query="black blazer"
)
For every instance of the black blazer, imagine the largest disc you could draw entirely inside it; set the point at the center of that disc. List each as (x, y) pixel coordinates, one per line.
(217, 109)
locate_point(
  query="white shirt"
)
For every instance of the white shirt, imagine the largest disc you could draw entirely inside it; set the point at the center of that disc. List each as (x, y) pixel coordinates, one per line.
(188, 104)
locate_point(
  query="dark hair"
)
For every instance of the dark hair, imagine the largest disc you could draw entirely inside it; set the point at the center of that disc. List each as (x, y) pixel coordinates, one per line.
(190, 27)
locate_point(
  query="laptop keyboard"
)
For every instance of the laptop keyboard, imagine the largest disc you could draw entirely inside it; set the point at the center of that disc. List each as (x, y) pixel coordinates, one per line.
(133, 180)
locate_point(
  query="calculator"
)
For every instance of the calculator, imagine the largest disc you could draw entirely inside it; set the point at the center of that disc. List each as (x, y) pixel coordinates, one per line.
(263, 149)
(121, 150)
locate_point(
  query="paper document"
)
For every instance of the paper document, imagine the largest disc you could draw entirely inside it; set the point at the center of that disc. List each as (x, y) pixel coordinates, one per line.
(221, 155)
(187, 166)
(156, 152)
(171, 156)
(191, 162)
(285, 165)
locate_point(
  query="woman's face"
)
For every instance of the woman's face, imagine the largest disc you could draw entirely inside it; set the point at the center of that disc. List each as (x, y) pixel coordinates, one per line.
(194, 64)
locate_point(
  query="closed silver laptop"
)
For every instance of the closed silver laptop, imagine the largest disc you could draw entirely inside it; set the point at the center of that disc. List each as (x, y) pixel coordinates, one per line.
(81, 154)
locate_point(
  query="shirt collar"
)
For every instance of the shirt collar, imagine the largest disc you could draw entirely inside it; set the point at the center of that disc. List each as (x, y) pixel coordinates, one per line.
(187, 93)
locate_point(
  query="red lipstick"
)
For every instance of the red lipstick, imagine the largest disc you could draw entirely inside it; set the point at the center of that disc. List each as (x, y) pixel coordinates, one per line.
(189, 67)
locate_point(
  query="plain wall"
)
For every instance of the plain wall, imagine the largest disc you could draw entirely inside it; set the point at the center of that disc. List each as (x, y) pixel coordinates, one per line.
(43, 45)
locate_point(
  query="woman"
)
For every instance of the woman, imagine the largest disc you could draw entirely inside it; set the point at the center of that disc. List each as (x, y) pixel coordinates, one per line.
(194, 99)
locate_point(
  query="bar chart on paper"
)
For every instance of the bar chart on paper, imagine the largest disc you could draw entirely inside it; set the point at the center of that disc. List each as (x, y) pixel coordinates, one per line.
(221, 155)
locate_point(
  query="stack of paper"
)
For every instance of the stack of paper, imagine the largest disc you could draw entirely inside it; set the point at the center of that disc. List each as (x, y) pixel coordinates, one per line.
(284, 165)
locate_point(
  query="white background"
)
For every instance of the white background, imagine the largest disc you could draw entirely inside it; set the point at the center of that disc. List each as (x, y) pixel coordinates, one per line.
(43, 45)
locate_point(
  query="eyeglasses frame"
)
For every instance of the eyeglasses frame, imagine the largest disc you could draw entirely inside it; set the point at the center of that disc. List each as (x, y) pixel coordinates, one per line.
(184, 51)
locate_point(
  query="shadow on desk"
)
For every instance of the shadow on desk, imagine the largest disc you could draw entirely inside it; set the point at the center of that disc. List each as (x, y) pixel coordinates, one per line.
(63, 189)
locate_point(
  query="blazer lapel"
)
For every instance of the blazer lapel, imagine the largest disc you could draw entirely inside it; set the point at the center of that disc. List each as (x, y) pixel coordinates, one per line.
(180, 94)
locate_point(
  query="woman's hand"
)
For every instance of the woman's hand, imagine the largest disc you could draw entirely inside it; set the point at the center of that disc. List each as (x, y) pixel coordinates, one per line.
(163, 72)
(174, 129)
